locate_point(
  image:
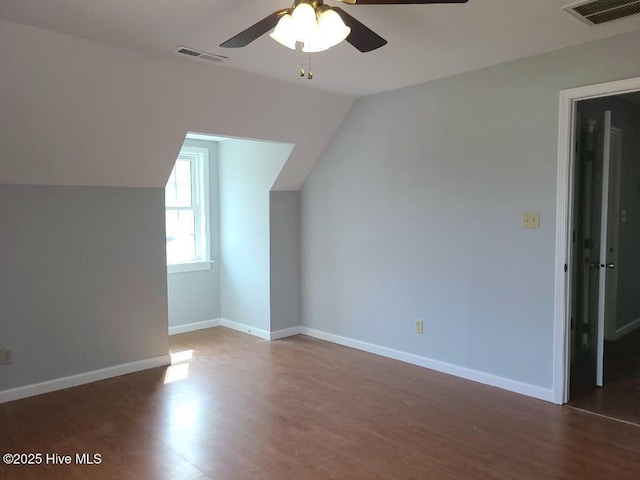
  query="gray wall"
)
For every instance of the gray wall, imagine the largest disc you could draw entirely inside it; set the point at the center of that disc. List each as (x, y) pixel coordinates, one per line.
(82, 279)
(247, 170)
(195, 296)
(414, 212)
(285, 260)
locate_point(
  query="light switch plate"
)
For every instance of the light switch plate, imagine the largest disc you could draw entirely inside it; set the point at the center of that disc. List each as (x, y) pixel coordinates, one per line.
(531, 220)
(6, 355)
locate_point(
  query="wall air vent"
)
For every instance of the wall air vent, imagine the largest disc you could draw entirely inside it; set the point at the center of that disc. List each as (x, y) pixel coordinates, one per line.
(595, 12)
(193, 53)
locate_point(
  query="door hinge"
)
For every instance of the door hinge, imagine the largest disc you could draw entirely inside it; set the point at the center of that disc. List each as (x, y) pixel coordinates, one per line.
(566, 268)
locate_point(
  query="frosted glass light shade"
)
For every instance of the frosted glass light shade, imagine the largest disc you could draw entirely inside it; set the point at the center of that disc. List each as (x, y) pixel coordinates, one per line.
(284, 32)
(316, 31)
(304, 21)
(332, 28)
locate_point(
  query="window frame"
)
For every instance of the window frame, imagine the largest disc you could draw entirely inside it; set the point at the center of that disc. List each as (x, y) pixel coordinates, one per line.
(199, 158)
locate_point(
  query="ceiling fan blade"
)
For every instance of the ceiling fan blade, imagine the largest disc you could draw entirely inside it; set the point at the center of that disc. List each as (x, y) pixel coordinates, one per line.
(399, 2)
(247, 36)
(361, 36)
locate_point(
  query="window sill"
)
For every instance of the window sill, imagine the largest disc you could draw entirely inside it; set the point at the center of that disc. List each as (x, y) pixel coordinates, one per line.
(188, 267)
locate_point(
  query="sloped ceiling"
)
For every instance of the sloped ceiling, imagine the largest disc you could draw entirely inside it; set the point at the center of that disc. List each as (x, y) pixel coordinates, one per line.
(425, 41)
(91, 93)
(78, 112)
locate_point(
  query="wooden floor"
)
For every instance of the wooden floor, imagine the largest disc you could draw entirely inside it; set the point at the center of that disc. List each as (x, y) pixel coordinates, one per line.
(300, 408)
(620, 396)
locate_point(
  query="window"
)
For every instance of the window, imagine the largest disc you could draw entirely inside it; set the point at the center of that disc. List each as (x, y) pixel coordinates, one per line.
(186, 199)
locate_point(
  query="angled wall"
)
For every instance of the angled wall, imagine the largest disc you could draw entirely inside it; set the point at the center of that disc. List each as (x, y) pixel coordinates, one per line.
(114, 117)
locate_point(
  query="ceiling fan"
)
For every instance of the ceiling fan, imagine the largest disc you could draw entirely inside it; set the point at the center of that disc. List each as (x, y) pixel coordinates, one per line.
(319, 27)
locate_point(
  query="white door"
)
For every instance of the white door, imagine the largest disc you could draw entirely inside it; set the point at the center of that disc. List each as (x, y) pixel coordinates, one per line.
(609, 227)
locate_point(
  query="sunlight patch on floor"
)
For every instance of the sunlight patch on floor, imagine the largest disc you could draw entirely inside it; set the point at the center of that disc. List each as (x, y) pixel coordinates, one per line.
(179, 369)
(183, 356)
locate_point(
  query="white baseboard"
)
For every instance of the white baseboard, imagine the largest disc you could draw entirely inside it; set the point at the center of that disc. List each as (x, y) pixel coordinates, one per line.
(82, 378)
(628, 328)
(286, 332)
(190, 327)
(241, 327)
(462, 372)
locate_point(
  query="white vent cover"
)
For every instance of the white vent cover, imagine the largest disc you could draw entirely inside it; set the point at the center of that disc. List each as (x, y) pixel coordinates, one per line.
(595, 12)
(211, 57)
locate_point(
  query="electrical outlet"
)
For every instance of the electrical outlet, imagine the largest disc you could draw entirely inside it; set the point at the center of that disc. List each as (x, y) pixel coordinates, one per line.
(419, 327)
(6, 355)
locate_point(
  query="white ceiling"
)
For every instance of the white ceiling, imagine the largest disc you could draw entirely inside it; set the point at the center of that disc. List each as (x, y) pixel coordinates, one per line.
(425, 41)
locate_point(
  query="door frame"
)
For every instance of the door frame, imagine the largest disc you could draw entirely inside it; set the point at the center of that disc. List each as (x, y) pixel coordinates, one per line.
(564, 222)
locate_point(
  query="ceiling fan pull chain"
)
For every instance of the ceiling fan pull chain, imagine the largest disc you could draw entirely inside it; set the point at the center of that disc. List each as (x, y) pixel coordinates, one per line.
(310, 76)
(302, 72)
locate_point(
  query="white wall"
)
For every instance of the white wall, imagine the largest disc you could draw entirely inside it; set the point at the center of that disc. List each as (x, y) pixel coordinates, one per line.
(247, 172)
(195, 296)
(114, 117)
(82, 279)
(414, 212)
(285, 260)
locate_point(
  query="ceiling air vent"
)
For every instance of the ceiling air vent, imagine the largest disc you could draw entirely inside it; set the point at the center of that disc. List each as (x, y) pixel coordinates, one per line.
(211, 57)
(595, 12)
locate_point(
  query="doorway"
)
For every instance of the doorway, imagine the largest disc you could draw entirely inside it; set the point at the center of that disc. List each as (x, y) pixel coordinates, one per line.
(603, 305)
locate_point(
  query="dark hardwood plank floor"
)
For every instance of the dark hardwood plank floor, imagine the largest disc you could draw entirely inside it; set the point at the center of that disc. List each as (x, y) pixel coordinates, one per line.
(300, 408)
(620, 396)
